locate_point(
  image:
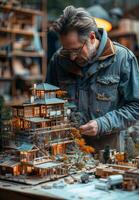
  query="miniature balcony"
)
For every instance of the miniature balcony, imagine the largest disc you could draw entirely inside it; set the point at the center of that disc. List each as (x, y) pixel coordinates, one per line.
(61, 141)
(43, 130)
(49, 128)
(35, 161)
(60, 126)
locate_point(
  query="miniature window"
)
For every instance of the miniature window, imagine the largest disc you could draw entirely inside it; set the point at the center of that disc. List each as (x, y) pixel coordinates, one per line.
(53, 107)
(60, 149)
(38, 125)
(49, 109)
(21, 124)
(58, 122)
(42, 94)
(36, 111)
(14, 112)
(59, 112)
(52, 95)
(43, 110)
(47, 124)
(52, 113)
(28, 112)
(27, 124)
(47, 95)
(43, 124)
(38, 93)
(20, 112)
(23, 157)
(56, 107)
(54, 110)
(53, 135)
(53, 123)
(3, 168)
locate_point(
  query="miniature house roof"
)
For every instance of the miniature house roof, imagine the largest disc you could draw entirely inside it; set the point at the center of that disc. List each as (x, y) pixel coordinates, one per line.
(9, 163)
(47, 165)
(41, 102)
(27, 147)
(50, 101)
(46, 87)
(70, 105)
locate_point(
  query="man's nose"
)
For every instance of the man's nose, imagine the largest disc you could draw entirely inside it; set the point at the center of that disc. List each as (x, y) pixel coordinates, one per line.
(73, 57)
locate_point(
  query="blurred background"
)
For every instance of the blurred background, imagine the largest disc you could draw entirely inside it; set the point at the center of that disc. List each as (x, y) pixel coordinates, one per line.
(27, 44)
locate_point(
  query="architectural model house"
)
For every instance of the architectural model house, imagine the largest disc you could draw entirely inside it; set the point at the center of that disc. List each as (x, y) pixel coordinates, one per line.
(41, 131)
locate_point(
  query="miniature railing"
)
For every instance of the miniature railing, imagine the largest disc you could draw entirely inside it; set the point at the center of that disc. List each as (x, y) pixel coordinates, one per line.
(60, 126)
(64, 125)
(50, 128)
(64, 140)
(40, 160)
(44, 130)
(37, 160)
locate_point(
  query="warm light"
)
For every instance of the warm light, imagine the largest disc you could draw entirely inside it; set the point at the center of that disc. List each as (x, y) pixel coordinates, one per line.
(102, 23)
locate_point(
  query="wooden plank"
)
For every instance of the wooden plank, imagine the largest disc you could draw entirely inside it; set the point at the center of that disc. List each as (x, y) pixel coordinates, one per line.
(21, 10)
(27, 54)
(20, 32)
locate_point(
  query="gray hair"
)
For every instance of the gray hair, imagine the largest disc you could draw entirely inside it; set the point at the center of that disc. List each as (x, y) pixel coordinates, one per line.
(75, 19)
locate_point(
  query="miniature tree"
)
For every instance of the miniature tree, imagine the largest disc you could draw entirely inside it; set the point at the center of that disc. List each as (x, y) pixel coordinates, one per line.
(80, 149)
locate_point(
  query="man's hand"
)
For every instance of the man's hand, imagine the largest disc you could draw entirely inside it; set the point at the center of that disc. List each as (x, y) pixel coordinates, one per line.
(91, 128)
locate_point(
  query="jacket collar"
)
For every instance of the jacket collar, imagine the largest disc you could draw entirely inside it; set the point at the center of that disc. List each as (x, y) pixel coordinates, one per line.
(109, 50)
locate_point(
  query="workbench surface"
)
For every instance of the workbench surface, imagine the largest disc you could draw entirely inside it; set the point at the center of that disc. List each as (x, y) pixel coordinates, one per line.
(69, 191)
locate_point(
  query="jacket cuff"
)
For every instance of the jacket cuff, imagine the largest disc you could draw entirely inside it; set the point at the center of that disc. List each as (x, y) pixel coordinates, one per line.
(103, 125)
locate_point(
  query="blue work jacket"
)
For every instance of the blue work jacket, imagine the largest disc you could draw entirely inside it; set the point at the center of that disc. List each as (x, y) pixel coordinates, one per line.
(107, 89)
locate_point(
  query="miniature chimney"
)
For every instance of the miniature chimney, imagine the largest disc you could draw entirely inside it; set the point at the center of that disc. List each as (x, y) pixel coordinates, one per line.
(32, 99)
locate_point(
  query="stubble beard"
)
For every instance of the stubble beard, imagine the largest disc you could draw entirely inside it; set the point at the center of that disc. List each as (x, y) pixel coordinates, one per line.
(83, 61)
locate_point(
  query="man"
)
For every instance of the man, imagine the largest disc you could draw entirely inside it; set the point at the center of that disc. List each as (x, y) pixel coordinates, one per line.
(101, 76)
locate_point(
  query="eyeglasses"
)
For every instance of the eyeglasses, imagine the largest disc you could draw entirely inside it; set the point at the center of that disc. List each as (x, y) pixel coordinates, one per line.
(72, 52)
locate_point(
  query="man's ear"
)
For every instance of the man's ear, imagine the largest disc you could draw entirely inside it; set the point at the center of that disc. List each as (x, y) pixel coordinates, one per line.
(92, 36)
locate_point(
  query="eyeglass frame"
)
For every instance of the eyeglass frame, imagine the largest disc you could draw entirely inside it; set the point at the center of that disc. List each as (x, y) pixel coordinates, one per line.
(70, 51)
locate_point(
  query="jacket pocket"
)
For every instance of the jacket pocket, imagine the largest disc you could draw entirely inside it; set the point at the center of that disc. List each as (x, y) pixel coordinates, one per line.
(107, 93)
(107, 88)
(108, 80)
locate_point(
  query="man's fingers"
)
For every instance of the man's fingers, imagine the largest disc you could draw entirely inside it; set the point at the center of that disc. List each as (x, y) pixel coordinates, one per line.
(85, 127)
(90, 128)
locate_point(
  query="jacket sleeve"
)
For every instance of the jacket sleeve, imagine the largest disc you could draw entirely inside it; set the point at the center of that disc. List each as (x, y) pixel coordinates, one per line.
(128, 114)
(51, 76)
